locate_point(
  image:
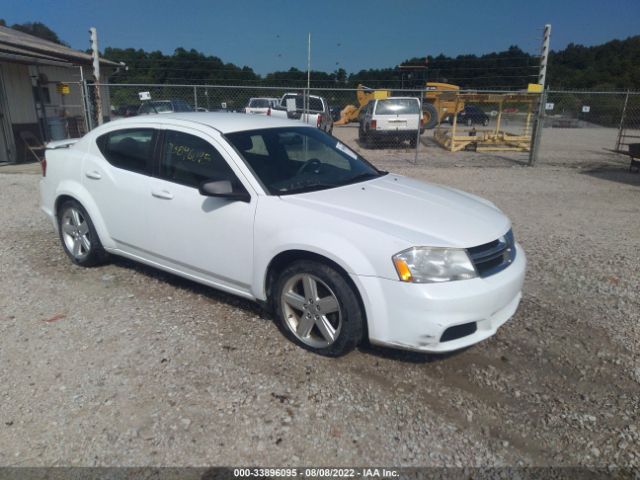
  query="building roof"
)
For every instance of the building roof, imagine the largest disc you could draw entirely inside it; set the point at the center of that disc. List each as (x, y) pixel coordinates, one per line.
(24, 48)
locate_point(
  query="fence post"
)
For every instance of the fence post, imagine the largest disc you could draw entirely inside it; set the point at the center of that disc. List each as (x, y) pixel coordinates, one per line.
(195, 98)
(420, 114)
(621, 126)
(88, 111)
(536, 132)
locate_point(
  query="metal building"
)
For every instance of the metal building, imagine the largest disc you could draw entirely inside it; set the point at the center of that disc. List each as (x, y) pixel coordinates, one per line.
(40, 91)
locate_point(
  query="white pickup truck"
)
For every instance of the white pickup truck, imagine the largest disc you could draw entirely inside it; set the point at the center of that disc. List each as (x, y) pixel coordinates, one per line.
(292, 106)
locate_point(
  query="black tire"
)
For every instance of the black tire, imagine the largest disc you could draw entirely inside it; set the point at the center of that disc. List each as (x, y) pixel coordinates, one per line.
(364, 139)
(413, 141)
(95, 254)
(349, 318)
(429, 116)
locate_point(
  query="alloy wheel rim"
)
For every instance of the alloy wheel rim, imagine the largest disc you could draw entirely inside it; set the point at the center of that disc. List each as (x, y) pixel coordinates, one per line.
(75, 233)
(311, 310)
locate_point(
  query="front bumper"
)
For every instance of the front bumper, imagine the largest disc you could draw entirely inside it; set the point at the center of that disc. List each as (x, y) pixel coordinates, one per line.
(414, 316)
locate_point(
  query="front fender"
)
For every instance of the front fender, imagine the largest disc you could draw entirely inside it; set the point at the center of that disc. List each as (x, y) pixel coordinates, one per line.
(326, 244)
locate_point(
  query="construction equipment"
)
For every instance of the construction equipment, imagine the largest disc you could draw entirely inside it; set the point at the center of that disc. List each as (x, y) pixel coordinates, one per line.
(435, 108)
(364, 94)
(438, 103)
(494, 139)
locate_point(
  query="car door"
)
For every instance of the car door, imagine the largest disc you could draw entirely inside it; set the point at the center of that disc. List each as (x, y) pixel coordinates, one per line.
(116, 172)
(209, 238)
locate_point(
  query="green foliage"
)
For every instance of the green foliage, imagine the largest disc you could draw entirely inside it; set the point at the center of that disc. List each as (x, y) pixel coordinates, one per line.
(510, 69)
(182, 67)
(38, 29)
(614, 65)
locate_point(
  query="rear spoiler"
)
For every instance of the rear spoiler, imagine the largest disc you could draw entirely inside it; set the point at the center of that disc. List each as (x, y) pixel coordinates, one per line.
(61, 143)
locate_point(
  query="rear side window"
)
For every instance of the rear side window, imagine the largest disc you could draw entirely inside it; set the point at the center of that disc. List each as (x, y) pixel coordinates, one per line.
(190, 160)
(399, 106)
(130, 149)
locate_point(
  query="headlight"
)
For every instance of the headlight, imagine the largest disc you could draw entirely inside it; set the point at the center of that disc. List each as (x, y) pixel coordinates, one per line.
(433, 264)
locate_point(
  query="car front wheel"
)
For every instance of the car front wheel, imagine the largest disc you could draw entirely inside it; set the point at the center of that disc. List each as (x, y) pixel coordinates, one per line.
(78, 235)
(317, 309)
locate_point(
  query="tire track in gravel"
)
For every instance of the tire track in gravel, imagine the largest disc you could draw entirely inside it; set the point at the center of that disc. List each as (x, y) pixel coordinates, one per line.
(545, 398)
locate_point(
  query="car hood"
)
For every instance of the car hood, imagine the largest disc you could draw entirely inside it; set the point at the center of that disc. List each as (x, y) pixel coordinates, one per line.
(417, 212)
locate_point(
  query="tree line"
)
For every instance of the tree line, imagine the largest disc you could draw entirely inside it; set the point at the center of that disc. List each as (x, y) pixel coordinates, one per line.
(614, 65)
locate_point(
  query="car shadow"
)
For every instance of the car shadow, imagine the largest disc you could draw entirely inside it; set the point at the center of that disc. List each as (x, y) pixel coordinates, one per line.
(264, 313)
(407, 356)
(191, 286)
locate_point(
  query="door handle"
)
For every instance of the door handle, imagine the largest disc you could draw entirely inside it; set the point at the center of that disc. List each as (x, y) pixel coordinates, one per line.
(94, 175)
(164, 194)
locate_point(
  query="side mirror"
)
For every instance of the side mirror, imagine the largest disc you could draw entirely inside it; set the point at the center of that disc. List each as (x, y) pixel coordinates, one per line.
(223, 189)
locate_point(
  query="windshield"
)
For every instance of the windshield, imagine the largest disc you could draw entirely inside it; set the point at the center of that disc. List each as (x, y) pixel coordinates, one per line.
(259, 103)
(297, 159)
(398, 106)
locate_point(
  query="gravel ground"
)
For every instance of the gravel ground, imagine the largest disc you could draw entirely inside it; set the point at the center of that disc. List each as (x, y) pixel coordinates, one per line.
(126, 365)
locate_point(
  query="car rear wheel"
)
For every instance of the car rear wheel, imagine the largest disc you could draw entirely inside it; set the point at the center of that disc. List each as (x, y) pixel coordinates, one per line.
(78, 235)
(317, 309)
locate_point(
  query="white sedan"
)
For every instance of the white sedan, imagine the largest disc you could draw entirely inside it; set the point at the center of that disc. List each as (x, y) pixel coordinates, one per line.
(281, 213)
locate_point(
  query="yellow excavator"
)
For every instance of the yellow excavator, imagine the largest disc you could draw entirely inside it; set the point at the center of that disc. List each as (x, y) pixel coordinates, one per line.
(435, 106)
(364, 94)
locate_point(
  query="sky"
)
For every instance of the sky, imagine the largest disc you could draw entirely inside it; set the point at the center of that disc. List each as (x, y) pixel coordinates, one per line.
(270, 35)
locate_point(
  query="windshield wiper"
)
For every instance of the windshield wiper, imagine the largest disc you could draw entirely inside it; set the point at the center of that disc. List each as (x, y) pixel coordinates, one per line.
(307, 188)
(364, 176)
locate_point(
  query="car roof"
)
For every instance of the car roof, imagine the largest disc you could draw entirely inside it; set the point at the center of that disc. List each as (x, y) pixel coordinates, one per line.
(222, 121)
(397, 98)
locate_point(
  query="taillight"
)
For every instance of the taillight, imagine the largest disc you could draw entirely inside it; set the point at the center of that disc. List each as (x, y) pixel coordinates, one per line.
(374, 124)
(319, 120)
(43, 165)
(269, 111)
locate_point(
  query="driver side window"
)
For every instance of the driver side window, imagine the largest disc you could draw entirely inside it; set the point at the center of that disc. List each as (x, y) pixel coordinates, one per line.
(190, 160)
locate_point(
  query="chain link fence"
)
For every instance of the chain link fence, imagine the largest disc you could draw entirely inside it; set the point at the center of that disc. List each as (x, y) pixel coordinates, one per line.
(475, 127)
(583, 128)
